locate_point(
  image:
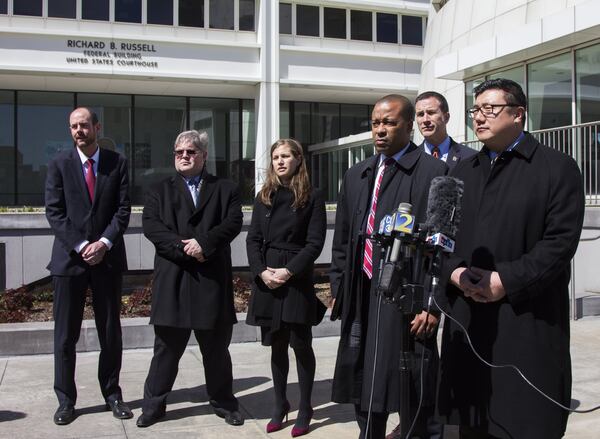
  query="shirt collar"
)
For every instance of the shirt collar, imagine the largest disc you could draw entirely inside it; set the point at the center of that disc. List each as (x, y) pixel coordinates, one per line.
(84, 158)
(396, 156)
(444, 147)
(512, 146)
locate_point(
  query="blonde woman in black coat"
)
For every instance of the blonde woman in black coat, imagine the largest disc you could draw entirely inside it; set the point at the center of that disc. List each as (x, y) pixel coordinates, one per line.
(285, 237)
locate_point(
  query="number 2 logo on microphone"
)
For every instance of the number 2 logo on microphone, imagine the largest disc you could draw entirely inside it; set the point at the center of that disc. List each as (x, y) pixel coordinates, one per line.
(405, 223)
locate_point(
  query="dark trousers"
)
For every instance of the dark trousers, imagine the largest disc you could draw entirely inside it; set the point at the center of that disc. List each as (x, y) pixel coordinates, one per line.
(169, 346)
(377, 424)
(69, 302)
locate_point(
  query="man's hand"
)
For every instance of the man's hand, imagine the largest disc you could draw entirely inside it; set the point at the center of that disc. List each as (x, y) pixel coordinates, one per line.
(423, 325)
(281, 273)
(94, 252)
(490, 283)
(270, 279)
(467, 281)
(193, 249)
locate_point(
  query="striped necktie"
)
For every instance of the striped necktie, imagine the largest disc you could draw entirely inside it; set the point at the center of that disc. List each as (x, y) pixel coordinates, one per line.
(368, 255)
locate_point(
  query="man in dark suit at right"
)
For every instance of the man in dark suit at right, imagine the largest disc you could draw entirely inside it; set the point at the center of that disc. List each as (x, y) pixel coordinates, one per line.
(432, 115)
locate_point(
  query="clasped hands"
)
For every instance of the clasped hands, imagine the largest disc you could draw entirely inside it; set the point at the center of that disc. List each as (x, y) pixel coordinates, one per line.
(193, 249)
(94, 252)
(275, 277)
(481, 285)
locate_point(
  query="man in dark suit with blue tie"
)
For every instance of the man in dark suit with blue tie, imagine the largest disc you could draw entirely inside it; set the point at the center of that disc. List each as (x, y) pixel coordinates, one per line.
(432, 115)
(88, 208)
(191, 218)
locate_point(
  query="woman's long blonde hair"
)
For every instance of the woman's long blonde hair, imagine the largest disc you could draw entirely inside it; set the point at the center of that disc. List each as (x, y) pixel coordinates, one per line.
(300, 183)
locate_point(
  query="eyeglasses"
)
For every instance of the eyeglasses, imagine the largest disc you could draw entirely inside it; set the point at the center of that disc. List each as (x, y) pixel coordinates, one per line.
(386, 123)
(180, 152)
(488, 110)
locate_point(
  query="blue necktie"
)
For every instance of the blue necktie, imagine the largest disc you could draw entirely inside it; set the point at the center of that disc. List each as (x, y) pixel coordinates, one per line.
(193, 184)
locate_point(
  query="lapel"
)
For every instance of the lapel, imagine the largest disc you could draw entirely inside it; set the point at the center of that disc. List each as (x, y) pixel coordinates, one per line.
(209, 184)
(365, 188)
(180, 187)
(453, 154)
(102, 173)
(76, 170)
(395, 191)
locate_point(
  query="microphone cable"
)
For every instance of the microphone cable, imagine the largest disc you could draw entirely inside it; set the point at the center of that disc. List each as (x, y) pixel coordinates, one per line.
(511, 366)
(374, 367)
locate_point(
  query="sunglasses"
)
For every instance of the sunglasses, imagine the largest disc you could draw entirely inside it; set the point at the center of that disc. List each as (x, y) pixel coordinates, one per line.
(181, 152)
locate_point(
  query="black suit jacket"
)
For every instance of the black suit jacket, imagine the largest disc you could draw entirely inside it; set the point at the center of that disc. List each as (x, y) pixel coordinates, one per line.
(74, 218)
(457, 152)
(187, 293)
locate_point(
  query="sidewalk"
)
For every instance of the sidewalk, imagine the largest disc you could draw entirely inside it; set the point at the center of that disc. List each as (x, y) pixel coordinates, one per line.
(27, 400)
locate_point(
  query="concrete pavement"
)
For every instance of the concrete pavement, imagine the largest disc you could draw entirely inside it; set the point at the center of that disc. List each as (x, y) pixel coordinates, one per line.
(27, 400)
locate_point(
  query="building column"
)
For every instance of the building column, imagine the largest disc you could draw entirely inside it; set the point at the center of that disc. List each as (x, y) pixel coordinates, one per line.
(267, 91)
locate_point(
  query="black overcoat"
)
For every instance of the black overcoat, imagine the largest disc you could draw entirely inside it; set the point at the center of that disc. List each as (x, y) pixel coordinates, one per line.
(187, 293)
(407, 181)
(75, 218)
(522, 217)
(281, 236)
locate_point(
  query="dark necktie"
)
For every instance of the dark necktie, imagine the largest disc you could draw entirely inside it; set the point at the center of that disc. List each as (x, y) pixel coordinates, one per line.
(435, 152)
(193, 184)
(90, 178)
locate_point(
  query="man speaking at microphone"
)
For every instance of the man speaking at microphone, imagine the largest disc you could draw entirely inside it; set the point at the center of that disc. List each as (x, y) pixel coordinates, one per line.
(399, 172)
(522, 213)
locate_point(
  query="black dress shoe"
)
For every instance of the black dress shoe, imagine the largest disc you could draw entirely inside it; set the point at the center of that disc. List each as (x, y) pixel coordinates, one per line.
(232, 417)
(64, 415)
(119, 408)
(146, 420)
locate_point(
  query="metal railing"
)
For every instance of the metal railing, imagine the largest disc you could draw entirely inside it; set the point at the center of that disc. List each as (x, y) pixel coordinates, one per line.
(582, 142)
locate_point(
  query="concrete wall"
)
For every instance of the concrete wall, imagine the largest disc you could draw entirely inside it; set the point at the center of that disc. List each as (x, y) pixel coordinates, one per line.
(28, 241)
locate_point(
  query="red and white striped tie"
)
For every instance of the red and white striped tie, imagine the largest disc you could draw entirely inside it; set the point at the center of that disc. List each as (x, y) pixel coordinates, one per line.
(368, 256)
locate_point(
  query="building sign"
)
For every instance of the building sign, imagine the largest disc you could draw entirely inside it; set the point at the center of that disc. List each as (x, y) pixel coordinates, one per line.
(111, 53)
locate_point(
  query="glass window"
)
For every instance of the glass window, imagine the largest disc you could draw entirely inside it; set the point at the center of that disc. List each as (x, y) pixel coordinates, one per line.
(301, 122)
(95, 10)
(28, 7)
(550, 92)
(221, 14)
(191, 13)
(246, 171)
(128, 11)
(220, 119)
(61, 8)
(7, 148)
(285, 18)
(325, 122)
(334, 22)
(516, 74)
(469, 102)
(159, 12)
(284, 120)
(3, 6)
(387, 28)
(587, 68)
(412, 30)
(50, 113)
(247, 9)
(307, 20)
(114, 114)
(354, 119)
(158, 121)
(361, 25)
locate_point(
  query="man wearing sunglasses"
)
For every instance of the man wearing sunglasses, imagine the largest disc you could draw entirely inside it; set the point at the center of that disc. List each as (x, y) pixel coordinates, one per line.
(191, 218)
(522, 214)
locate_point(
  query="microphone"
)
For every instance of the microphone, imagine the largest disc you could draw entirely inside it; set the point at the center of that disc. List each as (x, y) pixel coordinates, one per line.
(385, 225)
(404, 223)
(443, 211)
(443, 217)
